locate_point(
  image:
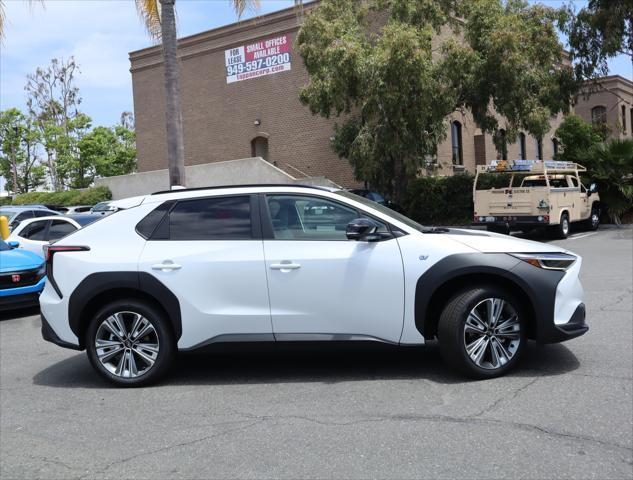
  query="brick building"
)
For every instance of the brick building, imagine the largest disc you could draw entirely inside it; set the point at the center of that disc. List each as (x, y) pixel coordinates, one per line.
(610, 102)
(228, 114)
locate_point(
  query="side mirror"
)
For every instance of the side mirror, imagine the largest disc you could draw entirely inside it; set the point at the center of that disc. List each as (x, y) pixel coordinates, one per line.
(13, 244)
(593, 188)
(362, 229)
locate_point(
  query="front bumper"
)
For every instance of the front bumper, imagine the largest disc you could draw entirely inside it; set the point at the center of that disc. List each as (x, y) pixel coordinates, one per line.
(21, 297)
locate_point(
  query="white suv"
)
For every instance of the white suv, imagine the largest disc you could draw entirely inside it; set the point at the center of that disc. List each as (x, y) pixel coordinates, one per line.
(184, 269)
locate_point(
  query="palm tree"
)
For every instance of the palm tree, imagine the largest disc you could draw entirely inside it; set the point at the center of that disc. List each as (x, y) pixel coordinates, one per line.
(159, 17)
(160, 20)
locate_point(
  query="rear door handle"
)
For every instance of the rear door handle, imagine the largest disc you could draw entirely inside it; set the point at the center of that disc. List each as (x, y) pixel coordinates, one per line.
(284, 266)
(166, 265)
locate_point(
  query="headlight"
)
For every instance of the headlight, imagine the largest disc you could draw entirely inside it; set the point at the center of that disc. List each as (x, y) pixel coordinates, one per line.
(548, 261)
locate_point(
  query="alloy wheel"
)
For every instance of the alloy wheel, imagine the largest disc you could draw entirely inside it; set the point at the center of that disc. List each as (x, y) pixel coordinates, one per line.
(127, 344)
(492, 333)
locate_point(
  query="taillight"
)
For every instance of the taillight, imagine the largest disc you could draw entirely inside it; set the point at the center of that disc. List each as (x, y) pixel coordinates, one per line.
(49, 252)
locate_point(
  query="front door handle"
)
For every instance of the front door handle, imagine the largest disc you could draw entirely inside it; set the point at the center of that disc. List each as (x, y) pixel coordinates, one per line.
(166, 266)
(285, 266)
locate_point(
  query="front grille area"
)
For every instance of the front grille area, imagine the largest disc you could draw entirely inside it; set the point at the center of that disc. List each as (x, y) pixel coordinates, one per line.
(27, 278)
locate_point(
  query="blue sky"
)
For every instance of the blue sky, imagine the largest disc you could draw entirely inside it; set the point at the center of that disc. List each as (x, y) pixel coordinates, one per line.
(100, 34)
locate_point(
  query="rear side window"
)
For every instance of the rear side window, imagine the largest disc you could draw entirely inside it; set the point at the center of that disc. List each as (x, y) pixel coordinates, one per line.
(146, 227)
(35, 231)
(59, 229)
(214, 218)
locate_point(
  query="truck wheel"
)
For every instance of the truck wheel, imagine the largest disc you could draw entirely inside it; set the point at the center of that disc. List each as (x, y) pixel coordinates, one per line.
(593, 222)
(482, 332)
(561, 230)
(498, 229)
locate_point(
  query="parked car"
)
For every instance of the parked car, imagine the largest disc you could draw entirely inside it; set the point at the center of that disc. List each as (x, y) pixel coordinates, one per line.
(103, 208)
(34, 233)
(16, 214)
(377, 197)
(22, 277)
(77, 209)
(184, 269)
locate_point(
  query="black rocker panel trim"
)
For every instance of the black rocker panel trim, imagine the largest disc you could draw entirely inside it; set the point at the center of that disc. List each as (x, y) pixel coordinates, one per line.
(99, 283)
(538, 285)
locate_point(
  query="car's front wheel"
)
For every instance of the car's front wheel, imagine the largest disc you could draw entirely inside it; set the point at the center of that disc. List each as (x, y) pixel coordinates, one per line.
(130, 343)
(481, 332)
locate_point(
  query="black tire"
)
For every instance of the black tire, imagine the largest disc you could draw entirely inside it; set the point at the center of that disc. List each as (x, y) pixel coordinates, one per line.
(561, 231)
(593, 222)
(161, 330)
(452, 333)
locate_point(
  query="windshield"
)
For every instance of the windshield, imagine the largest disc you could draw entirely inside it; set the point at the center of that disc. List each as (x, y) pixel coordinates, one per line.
(4, 246)
(7, 213)
(382, 209)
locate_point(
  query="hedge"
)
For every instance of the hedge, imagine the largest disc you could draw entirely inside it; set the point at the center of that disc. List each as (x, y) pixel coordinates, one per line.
(447, 200)
(87, 196)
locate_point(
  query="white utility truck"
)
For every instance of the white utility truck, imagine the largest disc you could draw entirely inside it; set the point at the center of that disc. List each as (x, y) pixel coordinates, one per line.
(539, 193)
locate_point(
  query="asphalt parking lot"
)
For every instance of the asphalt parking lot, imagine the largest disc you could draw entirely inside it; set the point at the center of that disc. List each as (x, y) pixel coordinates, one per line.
(335, 412)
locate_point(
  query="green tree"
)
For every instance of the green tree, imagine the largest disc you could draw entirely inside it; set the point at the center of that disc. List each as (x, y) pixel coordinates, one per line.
(381, 67)
(597, 32)
(105, 152)
(53, 102)
(578, 137)
(19, 161)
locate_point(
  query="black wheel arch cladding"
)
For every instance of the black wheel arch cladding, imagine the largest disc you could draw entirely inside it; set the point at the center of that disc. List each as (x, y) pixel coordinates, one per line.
(140, 284)
(536, 286)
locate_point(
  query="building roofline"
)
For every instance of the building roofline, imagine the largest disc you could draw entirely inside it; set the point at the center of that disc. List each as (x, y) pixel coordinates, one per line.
(232, 28)
(610, 78)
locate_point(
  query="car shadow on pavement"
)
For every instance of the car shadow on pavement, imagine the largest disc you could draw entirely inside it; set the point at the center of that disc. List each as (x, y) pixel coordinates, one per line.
(296, 363)
(20, 313)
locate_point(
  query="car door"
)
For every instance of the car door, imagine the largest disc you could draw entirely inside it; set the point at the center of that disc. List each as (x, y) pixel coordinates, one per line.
(322, 285)
(209, 253)
(33, 236)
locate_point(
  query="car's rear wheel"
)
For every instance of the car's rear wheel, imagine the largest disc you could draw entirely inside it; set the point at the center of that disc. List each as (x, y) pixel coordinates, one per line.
(481, 332)
(561, 230)
(130, 343)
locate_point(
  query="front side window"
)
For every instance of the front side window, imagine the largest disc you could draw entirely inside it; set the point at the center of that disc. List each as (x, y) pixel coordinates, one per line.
(309, 218)
(59, 229)
(213, 218)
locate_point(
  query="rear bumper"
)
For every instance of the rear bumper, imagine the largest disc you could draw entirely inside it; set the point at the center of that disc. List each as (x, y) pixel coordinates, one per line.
(49, 335)
(512, 220)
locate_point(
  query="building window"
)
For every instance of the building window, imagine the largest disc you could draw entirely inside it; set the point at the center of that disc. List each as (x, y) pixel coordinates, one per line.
(259, 147)
(456, 142)
(503, 144)
(599, 115)
(623, 119)
(522, 150)
(555, 146)
(539, 148)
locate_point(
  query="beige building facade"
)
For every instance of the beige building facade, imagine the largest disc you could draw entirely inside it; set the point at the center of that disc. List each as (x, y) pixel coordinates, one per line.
(609, 101)
(230, 113)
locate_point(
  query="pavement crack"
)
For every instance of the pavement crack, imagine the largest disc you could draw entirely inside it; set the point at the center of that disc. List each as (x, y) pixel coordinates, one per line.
(503, 398)
(170, 447)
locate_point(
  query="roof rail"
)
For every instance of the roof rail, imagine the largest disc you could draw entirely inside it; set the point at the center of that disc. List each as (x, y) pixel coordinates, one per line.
(217, 187)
